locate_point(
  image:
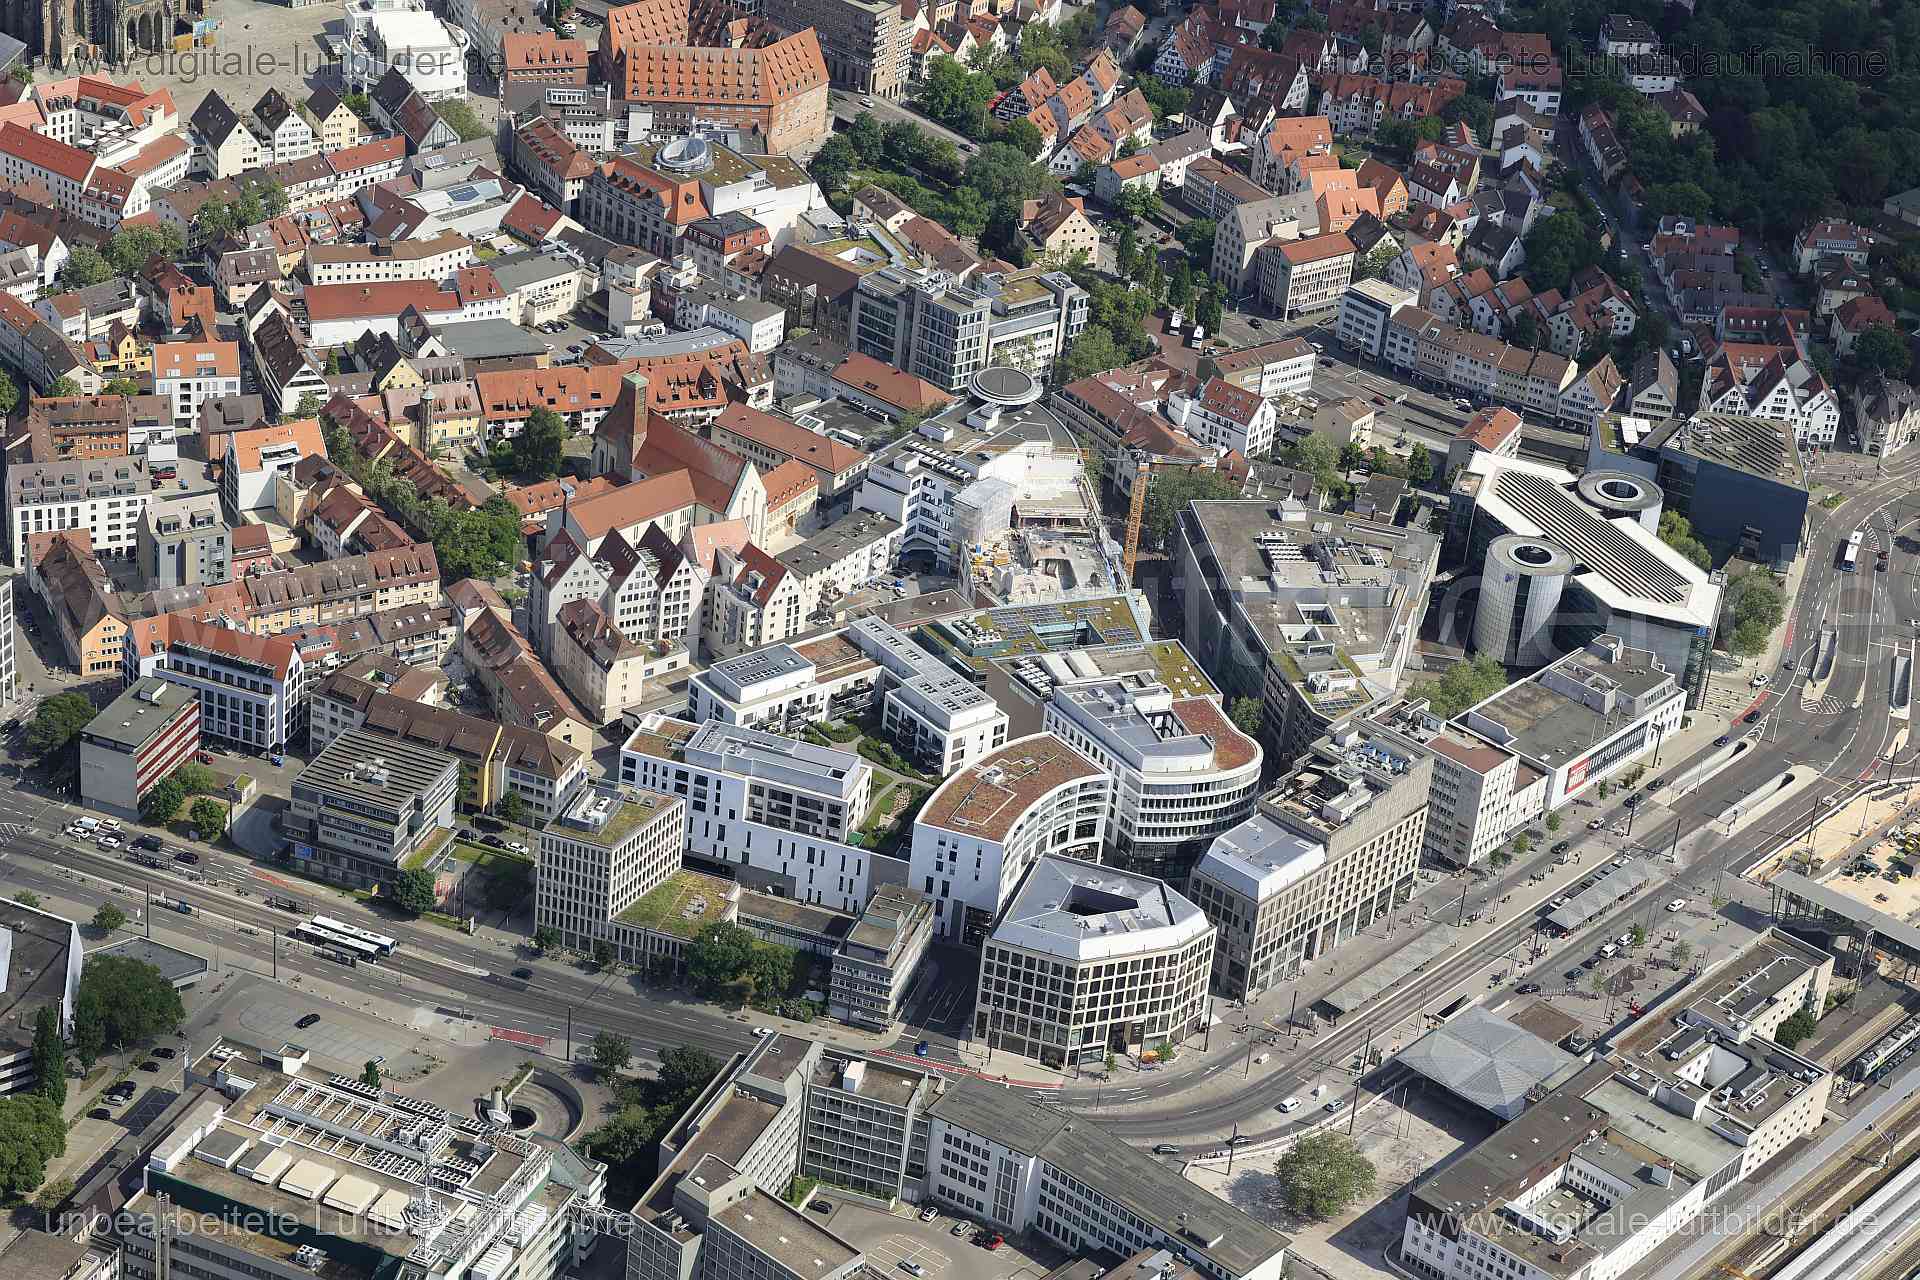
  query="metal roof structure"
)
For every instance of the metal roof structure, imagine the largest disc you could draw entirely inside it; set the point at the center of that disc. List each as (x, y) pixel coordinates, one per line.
(1486, 1060)
(1614, 883)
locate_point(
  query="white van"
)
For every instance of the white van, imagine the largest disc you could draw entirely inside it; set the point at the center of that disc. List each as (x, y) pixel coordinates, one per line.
(1260, 1060)
(1288, 1104)
(87, 824)
(1609, 951)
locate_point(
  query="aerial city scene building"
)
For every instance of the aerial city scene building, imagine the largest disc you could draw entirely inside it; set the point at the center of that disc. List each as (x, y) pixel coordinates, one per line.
(1020, 640)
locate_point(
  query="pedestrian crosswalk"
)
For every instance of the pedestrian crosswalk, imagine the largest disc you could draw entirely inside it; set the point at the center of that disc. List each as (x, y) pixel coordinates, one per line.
(9, 831)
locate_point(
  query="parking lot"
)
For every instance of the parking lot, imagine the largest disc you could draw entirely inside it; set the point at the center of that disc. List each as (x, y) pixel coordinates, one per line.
(891, 1239)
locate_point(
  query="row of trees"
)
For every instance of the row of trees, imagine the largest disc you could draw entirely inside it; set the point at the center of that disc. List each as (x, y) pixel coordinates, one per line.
(644, 1109)
(124, 254)
(258, 201)
(162, 802)
(469, 544)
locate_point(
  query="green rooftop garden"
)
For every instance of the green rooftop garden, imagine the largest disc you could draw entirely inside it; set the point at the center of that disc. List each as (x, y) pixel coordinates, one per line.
(670, 908)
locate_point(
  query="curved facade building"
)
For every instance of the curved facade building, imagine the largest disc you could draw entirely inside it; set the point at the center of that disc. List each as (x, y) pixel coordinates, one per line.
(1622, 493)
(1520, 591)
(982, 829)
(1090, 960)
(1182, 772)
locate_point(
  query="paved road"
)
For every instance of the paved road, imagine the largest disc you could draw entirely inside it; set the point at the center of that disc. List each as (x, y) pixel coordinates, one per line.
(846, 106)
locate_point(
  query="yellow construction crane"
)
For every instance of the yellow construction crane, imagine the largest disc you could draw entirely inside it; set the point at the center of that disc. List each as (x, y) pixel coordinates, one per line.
(1136, 512)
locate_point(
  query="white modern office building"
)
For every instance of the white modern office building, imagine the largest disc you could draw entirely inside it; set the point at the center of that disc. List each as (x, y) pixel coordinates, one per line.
(1585, 718)
(1089, 960)
(1365, 310)
(775, 814)
(384, 35)
(1182, 772)
(1561, 561)
(1482, 793)
(986, 825)
(611, 847)
(935, 715)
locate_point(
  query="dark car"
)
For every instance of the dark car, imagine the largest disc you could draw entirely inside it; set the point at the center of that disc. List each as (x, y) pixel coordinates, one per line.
(187, 856)
(150, 843)
(1165, 1149)
(495, 841)
(1571, 975)
(1633, 801)
(1750, 717)
(1655, 785)
(149, 1065)
(523, 974)
(166, 1051)
(1562, 847)
(307, 1021)
(1722, 740)
(99, 1113)
(1527, 989)
(1589, 962)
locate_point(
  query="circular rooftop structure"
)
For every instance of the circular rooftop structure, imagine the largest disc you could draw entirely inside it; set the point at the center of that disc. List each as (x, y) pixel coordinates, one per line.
(685, 155)
(1010, 388)
(1528, 556)
(1619, 492)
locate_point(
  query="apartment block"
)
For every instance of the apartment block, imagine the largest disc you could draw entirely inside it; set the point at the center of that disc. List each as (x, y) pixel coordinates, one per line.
(1087, 961)
(253, 689)
(605, 852)
(184, 542)
(866, 44)
(139, 738)
(875, 967)
(366, 805)
(979, 833)
(104, 496)
(1182, 772)
(774, 814)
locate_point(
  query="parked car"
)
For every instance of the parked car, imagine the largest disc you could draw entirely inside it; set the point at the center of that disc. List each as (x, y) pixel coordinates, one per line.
(307, 1021)
(1571, 975)
(1288, 1104)
(929, 1213)
(959, 1229)
(1165, 1149)
(1527, 989)
(166, 1051)
(149, 1065)
(911, 1267)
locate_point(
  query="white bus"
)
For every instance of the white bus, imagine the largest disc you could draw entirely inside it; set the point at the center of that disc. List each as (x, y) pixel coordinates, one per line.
(330, 943)
(1850, 553)
(345, 930)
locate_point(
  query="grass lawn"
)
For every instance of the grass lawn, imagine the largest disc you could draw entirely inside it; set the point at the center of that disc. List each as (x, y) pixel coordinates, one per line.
(890, 818)
(491, 861)
(674, 907)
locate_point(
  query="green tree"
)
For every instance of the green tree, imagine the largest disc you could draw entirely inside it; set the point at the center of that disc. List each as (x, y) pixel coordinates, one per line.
(370, 1074)
(131, 248)
(1637, 936)
(1523, 844)
(51, 1195)
(1681, 951)
(121, 1002)
(1794, 1029)
(1881, 350)
(685, 1070)
(1677, 532)
(541, 446)
(1320, 1175)
(413, 891)
(1463, 685)
(718, 956)
(772, 972)
(461, 119)
(1093, 351)
(1748, 640)
(1206, 313)
(1247, 715)
(120, 387)
(1525, 332)
(602, 953)
(64, 386)
(1553, 823)
(209, 817)
(1024, 134)
(195, 779)
(1351, 458)
(1169, 492)
(833, 163)
(162, 802)
(1197, 239)
(1274, 38)
(611, 1052)
(9, 395)
(1378, 259)
(31, 1134)
(1419, 465)
(108, 917)
(1558, 248)
(1180, 285)
(50, 1053)
(511, 808)
(308, 406)
(1141, 202)
(546, 938)
(85, 266)
(58, 721)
